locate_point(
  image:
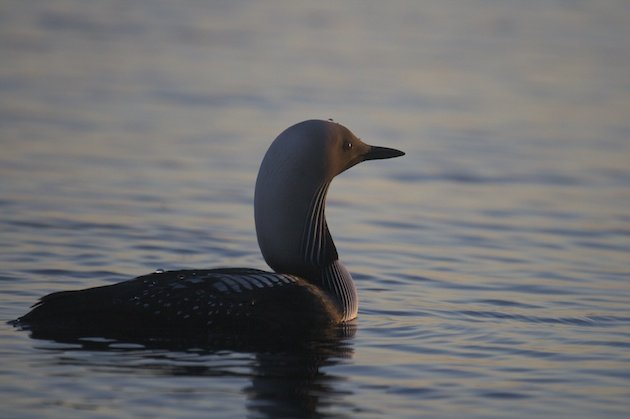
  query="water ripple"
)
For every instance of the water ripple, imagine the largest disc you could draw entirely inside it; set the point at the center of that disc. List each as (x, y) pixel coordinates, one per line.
(589, 321)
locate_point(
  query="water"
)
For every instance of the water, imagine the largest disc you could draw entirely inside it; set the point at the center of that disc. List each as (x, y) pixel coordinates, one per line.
(492, 261)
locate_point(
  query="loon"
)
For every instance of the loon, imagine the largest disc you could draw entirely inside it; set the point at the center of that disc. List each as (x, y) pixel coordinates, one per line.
(309, 287)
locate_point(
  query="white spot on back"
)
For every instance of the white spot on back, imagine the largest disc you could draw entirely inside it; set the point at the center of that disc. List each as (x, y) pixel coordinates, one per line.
(274, 278)
(220, 286)
(232, 284)
(265, 280)
(285, 279)
(194, 280)
(256, 280)
(243, 281)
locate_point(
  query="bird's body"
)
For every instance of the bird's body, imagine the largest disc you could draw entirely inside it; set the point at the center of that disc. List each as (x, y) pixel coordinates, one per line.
(309, 288)
(186, 302)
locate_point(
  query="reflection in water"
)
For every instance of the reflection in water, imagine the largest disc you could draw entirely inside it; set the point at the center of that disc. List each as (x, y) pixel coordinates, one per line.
(291, 384)
(286, 380)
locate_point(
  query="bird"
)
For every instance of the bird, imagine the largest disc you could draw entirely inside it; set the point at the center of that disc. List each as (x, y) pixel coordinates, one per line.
(309, 287)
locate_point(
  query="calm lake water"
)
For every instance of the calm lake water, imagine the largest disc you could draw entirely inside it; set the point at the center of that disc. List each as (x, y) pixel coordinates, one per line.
(492, 261)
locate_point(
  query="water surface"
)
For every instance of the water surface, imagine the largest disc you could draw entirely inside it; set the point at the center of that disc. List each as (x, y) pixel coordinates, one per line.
(492, 261)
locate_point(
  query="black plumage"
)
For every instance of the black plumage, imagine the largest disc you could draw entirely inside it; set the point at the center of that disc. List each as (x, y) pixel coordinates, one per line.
(186, 302)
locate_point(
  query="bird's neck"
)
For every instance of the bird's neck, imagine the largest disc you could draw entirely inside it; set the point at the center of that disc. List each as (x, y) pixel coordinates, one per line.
(337, 282)
(294, 238)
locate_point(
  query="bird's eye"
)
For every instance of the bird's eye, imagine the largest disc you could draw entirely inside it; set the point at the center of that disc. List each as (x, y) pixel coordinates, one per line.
(347, 145)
